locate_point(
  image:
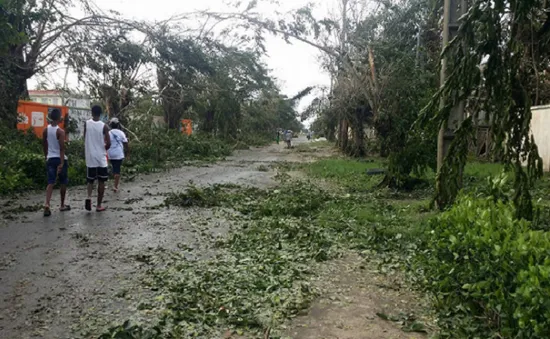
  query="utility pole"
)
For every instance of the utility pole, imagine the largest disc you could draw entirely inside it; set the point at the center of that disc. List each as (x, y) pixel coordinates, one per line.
(343, 128)
(452, 11)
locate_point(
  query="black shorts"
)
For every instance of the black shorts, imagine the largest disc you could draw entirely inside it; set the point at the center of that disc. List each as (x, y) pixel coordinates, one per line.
(116, 166)
(97, 173)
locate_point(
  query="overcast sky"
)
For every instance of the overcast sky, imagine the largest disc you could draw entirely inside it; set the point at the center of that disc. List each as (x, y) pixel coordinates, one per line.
(296, 66)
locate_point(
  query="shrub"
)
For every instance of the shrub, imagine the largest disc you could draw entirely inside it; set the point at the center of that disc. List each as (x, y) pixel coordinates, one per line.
(489, 272)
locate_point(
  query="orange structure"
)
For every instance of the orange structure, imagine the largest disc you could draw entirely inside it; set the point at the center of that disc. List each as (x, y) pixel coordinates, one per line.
(34, 115)
(187, 126)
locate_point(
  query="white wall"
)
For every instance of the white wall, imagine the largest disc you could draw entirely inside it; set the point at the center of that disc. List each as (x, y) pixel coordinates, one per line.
(540, 127)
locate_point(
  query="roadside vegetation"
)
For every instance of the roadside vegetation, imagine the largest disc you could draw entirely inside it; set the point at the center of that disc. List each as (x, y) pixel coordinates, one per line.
(22, 165)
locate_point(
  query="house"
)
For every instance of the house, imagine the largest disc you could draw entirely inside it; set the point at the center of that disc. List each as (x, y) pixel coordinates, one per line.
(59, 97)
(79, 107)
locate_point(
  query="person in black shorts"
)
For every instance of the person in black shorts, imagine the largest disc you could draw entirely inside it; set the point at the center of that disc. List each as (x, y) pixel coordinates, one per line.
(96, 143)
(119, 149)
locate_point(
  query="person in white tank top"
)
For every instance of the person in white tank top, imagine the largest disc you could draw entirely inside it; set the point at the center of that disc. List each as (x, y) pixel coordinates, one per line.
(96, 143)
(53, 142)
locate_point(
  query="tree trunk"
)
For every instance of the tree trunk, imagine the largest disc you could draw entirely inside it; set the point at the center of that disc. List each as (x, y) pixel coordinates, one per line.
(358, 133)
(12, 88)
(343, 137)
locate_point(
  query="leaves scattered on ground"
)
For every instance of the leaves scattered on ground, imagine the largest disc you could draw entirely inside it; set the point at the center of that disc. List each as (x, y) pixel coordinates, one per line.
(260, 275)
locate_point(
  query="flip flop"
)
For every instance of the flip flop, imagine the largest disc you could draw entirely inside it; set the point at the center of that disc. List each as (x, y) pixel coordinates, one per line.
(65, 208)
(88, 204)
(101, 209)
(47, 212)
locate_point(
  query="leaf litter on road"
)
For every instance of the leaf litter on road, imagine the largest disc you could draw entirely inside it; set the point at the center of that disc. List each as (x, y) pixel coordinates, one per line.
(260, 274)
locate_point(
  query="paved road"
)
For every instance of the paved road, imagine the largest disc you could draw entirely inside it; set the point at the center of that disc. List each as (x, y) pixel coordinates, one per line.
(58, 271)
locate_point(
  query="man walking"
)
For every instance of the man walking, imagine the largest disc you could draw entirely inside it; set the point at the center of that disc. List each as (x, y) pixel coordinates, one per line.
(53, 142)
(288, 138)
(97, 142)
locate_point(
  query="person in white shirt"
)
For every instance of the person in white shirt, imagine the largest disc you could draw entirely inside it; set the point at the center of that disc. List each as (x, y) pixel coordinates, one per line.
(288, 138)
(96, 143)
(53, 142)
(118, 151)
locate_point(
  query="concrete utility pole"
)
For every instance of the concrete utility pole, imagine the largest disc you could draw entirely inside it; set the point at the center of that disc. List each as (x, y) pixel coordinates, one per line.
(452, 11)
(343, 125)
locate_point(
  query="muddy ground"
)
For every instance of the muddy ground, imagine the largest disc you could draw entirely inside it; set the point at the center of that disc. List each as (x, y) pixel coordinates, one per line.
(73, 274)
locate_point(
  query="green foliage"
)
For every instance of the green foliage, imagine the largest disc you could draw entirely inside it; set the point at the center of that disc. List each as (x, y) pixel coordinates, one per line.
(212, 196)
(488, 271)
(499, 86)
(21, 161)
(410, 79)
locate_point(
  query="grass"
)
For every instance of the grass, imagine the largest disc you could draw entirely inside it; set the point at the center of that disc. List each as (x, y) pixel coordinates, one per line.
(313, 146)
(350, 174)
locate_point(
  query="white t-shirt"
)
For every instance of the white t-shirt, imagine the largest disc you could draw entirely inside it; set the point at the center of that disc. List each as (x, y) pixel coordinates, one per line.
(118, 139)
(96, 155)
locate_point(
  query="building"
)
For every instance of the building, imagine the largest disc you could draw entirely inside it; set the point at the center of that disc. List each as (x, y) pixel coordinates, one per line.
(79, 107)
(540, 129)
(61, 98)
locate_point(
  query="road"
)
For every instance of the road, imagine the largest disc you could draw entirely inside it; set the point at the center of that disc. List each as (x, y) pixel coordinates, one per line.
(59, 272)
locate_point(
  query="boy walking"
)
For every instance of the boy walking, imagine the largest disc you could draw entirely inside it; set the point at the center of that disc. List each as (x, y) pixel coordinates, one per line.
(53, 143)
(119, 149)
(96, 143)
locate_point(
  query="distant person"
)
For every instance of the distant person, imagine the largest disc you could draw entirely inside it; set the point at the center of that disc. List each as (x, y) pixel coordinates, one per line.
(288, 138)
(53, 142)
(278, 136)
(308, 136)
(96, 142)
(118, 151)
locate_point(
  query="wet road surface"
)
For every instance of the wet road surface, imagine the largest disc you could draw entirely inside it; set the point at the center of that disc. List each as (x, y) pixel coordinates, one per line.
(59, 272)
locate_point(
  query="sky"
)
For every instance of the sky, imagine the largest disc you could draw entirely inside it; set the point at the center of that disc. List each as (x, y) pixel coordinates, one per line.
(296, 66)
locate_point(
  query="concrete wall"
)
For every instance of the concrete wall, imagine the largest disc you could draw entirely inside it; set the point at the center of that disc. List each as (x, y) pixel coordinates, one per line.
(540, 127)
